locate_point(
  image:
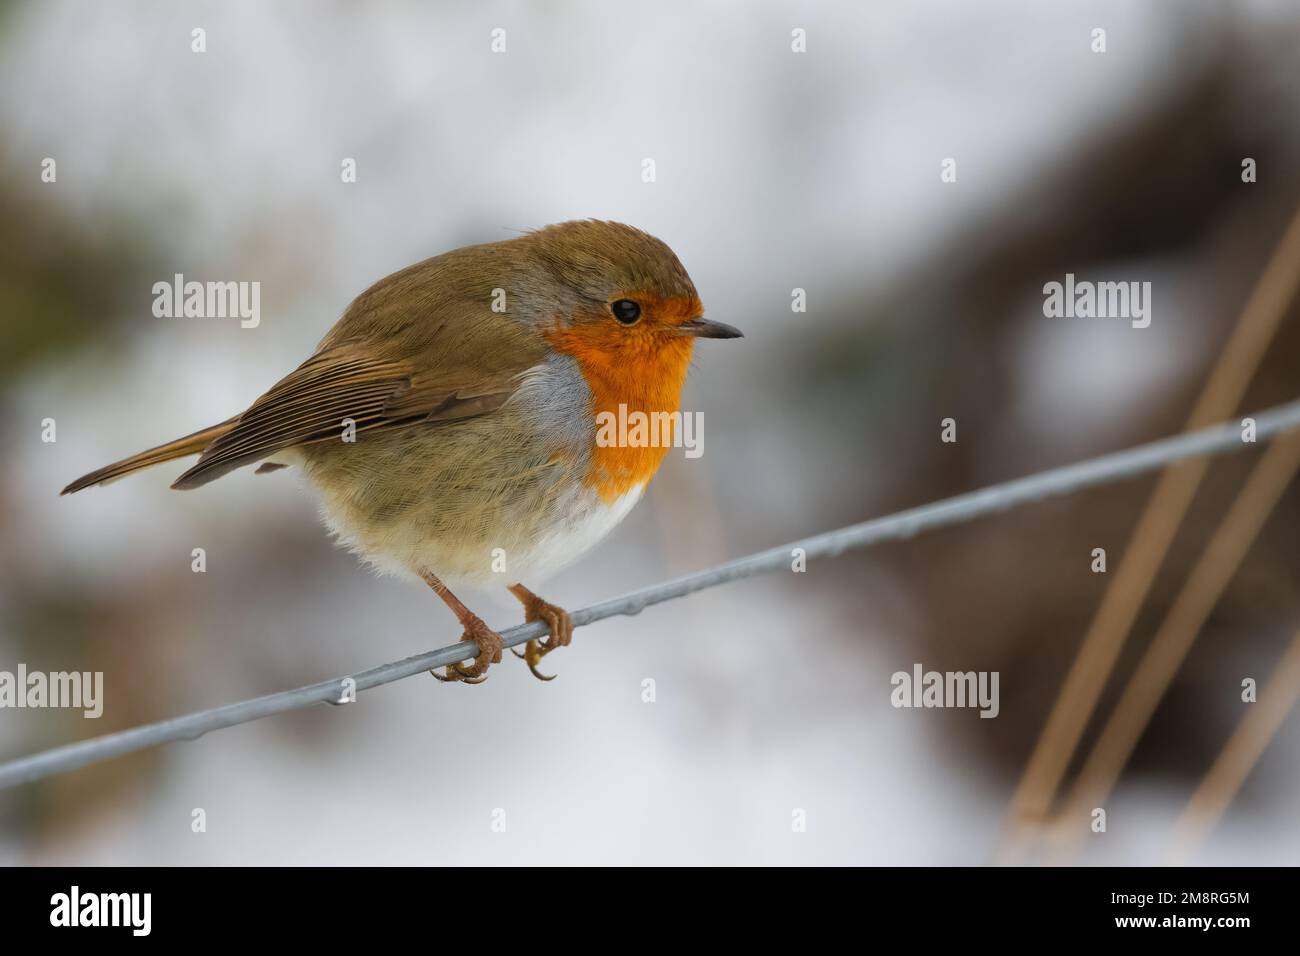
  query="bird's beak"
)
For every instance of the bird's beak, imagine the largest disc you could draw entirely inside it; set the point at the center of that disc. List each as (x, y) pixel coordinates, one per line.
(708, 329)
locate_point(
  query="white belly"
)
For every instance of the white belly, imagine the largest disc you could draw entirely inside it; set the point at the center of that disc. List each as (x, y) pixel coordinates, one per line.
(504, 553)
(564, 542)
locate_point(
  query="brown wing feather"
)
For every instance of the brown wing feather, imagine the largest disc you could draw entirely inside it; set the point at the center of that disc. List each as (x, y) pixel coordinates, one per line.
(312, 403)
(308, 405)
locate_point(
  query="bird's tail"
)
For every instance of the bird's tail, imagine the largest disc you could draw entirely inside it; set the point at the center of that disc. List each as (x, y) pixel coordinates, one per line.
(189, 445)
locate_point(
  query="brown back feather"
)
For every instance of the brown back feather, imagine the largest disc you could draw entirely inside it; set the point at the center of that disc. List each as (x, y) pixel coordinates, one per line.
(419, 346)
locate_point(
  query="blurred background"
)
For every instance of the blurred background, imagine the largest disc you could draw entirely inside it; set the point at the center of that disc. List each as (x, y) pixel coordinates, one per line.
(775, 170)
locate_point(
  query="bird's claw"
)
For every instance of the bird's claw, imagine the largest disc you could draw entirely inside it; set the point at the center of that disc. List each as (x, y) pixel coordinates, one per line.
(462, 676)
(534, 651)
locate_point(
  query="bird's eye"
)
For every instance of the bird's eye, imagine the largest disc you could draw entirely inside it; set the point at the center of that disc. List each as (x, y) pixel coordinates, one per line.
(626, 311)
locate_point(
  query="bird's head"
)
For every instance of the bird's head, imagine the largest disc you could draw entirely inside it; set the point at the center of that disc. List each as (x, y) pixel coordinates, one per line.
(626, 298)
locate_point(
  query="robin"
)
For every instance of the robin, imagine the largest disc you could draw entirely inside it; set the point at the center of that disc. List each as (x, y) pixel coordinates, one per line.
(452, 411)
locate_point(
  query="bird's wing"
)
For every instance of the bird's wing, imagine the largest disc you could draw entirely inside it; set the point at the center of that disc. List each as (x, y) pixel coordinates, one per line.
(371, 387)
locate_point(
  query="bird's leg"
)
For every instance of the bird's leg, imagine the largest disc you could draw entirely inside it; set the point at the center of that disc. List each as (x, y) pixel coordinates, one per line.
(489, 641)
(556, 618)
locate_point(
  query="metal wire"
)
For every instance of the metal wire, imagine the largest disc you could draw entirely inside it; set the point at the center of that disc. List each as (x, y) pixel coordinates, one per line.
(1216, 440)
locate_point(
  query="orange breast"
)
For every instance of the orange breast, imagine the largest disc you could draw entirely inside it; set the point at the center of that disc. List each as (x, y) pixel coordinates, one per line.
(628, 371)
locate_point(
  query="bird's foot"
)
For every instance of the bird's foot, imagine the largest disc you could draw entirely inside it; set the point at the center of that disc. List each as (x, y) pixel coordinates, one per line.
(489, 652)
(489, 641)
(557, 621)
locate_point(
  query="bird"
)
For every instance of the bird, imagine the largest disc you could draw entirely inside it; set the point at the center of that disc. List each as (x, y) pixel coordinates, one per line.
(450, 417)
